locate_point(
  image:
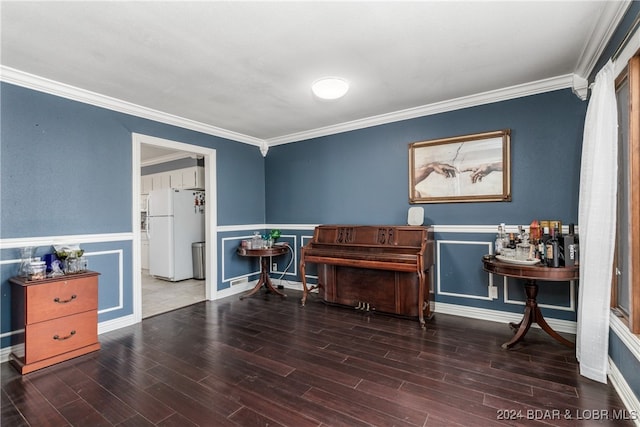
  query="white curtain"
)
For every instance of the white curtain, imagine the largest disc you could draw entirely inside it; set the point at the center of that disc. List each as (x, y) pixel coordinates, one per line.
(597, 225)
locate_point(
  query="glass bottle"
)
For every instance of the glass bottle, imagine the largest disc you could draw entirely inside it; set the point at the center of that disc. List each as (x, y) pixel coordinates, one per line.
(553, 250)
(256, 240)
(509, 248)
(534, 230)
(576, 244)
(26, 256)
(542, 245)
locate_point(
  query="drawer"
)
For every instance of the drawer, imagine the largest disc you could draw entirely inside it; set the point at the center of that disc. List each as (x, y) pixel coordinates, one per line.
(60, 298)
(54, 337)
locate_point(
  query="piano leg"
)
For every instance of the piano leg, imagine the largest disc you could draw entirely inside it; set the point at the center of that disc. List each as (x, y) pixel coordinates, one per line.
(263, 280)
(421, 302)
(305, 290)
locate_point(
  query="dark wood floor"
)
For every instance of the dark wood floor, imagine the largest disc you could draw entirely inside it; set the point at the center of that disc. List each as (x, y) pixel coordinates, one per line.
(266, 361)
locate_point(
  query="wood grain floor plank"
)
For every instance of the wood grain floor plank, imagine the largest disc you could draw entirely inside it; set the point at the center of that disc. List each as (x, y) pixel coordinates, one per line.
(285, 393)
(328, 391)
(196, 391)
(176, 420)
(188, 408)
(269, 361)
(281, 414)
(418, 398)
(9, 413)
(101, 400)
(53, 388)
(129, 392)
(366, 414)
(136, 421)
(80, 413)
(31, 404)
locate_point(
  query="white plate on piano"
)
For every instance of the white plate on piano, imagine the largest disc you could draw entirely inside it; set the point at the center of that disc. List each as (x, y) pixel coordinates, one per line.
(517, 261)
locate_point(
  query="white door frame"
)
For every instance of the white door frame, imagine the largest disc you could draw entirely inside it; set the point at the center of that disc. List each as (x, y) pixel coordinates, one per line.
(211, 219)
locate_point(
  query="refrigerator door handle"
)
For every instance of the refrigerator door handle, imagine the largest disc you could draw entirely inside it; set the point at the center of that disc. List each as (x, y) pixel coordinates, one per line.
(148, 228)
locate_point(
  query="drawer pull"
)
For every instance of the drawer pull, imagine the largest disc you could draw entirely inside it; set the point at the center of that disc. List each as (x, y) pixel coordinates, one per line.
(56, 299)
(59, 338)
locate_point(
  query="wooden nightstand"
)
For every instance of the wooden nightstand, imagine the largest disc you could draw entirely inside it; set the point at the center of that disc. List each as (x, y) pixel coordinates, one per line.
(56, 319)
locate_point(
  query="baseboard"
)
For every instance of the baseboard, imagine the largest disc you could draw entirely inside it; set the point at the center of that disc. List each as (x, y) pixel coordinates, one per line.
(625, 392)
(500, 316)
(236, 289)
(112, 325)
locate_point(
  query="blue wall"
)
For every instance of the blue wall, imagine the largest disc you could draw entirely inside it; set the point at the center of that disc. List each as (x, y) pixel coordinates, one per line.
(66, 167)
(362, 176)
(66, 171)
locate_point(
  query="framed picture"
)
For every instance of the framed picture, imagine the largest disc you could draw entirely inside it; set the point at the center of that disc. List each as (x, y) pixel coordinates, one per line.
(468, 168)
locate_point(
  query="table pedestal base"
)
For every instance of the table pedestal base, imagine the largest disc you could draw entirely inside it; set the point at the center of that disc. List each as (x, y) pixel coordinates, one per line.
(263, 280)
(532, 314)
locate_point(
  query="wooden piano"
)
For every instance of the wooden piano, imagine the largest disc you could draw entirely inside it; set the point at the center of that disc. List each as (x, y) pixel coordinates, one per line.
(383, 268)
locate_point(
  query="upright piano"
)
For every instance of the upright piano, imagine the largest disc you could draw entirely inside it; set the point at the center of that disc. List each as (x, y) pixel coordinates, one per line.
(372, 267)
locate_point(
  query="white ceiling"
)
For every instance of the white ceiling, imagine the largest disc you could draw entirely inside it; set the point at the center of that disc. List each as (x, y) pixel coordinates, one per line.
(243, 69)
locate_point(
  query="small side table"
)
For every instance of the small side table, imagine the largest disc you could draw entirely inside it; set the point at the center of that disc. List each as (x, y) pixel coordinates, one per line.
(264, 279)
(532, 313)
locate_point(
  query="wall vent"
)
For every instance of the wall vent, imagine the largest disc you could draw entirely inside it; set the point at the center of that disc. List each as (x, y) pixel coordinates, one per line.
(240, 281)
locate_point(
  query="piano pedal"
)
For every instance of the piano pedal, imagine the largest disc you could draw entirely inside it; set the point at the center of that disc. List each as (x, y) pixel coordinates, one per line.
(364, 306)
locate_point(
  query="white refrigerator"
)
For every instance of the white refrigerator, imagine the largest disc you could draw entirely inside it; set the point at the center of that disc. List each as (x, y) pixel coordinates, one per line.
(175, 221)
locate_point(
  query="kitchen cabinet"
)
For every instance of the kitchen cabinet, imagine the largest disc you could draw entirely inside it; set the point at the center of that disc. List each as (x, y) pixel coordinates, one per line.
(175, 179)
(160, 181)
(146, 184)
(193, 178)
(57, 319)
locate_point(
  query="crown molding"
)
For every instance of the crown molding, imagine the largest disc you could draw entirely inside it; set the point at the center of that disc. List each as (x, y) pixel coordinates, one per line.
(612, 14)
(52, 87)
(41, 84)
(512, 92)
(167, 158)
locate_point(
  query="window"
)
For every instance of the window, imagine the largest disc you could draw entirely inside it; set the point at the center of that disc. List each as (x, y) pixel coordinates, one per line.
(626, 281)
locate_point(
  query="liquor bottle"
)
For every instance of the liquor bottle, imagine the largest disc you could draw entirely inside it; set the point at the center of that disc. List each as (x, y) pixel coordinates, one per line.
(542, 246)
(570, 247)
(534, 231)
(557, 234)
(512, 241)
(553, 250)
(509, 246)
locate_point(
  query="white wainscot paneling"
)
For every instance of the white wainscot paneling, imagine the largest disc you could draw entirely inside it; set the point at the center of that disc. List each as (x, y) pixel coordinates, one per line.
(303, 241)
(231, 243)
(441, 288)
(120, 289)
(570, 307)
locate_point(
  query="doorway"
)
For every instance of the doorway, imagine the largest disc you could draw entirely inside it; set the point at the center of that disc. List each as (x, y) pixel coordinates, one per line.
(151, 295)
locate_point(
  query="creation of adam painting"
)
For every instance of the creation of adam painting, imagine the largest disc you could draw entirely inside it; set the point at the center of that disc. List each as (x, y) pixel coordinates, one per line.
(468, 168)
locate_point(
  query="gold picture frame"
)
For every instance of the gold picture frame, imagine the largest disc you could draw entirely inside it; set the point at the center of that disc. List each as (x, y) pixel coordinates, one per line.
(467, 168)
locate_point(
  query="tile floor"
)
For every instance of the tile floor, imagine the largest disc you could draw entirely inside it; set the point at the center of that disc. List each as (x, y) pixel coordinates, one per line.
(160, 296)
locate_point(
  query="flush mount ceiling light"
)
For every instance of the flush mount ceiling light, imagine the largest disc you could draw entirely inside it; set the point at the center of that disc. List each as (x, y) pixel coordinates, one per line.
(330, 87)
